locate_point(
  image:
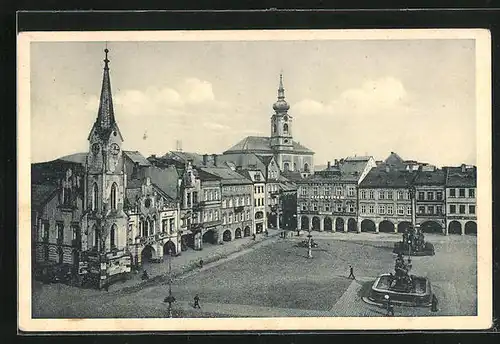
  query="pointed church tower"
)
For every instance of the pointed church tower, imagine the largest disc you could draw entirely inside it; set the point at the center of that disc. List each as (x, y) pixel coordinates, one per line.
(105, 222)
(281, 122)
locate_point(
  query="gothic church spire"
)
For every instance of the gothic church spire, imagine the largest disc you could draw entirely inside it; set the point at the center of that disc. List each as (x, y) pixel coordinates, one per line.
(106, 115)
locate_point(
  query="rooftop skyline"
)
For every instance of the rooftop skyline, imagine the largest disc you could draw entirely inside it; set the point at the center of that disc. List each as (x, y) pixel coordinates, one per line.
(414, 97)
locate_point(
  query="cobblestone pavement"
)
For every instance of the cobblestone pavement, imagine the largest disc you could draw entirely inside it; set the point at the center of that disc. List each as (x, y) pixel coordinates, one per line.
(264, 280)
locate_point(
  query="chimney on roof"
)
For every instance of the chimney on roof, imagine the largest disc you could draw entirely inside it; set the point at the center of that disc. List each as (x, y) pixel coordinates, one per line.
(328, 164)
(214, 156)
(463, 167)
(153, 156)
(205, 159)
(336, 162)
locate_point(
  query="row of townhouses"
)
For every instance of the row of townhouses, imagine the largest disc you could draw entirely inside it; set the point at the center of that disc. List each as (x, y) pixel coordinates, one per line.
(106, 211)
(358, 194)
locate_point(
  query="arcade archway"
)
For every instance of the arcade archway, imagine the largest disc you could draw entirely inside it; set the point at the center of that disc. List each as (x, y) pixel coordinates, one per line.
(470, 228)
(403, 226)
(327, 222)
(246, 232)
(304, 223)
(352, 225)
(148, 254)
(386, 227)
(169, 247)
(210, 237)
(316, 223)
(339, 224)
(237, 233)
(226, 236)
(367, 226)
(454, 228)
(431, 227)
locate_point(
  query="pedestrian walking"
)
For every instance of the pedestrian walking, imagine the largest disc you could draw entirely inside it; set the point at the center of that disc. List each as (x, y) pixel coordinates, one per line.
(201, 263)
(253, 236)
(145, 275)
(390, 308)
(351, 272)
(434, 303)
(196, 302)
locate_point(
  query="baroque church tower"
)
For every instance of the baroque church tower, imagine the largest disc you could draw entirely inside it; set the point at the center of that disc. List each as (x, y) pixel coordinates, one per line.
(105, 222)
(281, 122)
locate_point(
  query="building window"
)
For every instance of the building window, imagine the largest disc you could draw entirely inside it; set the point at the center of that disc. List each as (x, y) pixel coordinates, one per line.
(439, 195)
(113, 196)
(363, 194)
(461, 192)
(400, 194)
(60, 232)
(472, 193)
(461, 209)
(188, 199)
(338, 191)
(285, 128)
(350, 191)
(242, 217)
(421, 209)
(372, 194)
(164, 224)
(339, 207)
(327, 190)
(401, 210)
(171, 224)
(381, 209)
(351, 208)
(195, 197)
(430, 195)
(452, 192)
(75, 228)
(96, 237)
(303, 191)
(363, 208)
(205, 216)
(390, 210)
(286, 167)
(304, 207)
(230, 220)
(306, 167)
(315, 206)
(248, 215)
(315, 191)
(389, 194)
(112, 237)
(453, 209)
(223, 218)
(381, 194)
(439, 210)
(95, 196)
(421, 196)
(408, 210)
(472, 209)
(230, 203)
(430, 210)
(327, 207)
(223, 203)
(371, 209)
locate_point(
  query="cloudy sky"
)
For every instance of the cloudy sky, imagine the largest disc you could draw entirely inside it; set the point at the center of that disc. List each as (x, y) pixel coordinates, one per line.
(414, 97)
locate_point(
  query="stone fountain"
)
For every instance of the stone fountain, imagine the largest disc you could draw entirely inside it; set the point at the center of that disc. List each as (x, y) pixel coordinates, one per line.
(402, 287)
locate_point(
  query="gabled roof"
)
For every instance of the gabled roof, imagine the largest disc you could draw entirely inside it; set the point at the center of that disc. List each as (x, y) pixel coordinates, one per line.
(437, 177)
(183, 157)
(242, 160)
(227, 175)
(137, 158)
(394, 160)
(461, 177)
(379, 177)
(166, 179)
(292, 175)
(266, 159)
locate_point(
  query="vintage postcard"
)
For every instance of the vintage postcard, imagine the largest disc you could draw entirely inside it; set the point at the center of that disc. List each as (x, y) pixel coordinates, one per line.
(254, 180)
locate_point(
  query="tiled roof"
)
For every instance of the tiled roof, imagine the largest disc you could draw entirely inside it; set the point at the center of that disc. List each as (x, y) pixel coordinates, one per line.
(227, 175)
(165, 178)
(261, 144)
(358, 158)
(394, 160)
(41, 193)
(183, 157)
(266, 159)
(132, 195)
(243, 160)
(436, 177)
(53, 171)
(292, 175)
(137, 157)
(379, 177)
(455, 177)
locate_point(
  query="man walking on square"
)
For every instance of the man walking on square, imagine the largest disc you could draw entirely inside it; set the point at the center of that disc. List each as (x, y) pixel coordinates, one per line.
(351, 272)
(197, 302)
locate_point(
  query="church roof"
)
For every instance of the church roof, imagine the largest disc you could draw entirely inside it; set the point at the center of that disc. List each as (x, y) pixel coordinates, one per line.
(41, 193)
(262, 144)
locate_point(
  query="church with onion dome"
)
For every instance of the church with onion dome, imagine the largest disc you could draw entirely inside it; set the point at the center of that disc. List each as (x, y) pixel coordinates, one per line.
(290, 155)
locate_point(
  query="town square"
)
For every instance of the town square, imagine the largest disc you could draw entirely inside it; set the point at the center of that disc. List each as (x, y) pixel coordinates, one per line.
(176, 202)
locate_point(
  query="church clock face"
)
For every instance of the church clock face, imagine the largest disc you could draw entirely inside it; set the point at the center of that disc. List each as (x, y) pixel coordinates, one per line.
(115, 149)
(95, 148)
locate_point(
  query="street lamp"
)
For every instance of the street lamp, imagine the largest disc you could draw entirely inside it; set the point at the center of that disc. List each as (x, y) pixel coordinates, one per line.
(169, 299)
(309, 244)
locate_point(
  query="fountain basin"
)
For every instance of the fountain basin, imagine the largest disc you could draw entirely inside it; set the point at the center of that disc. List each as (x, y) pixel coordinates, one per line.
(420, 295)
(402, 248)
